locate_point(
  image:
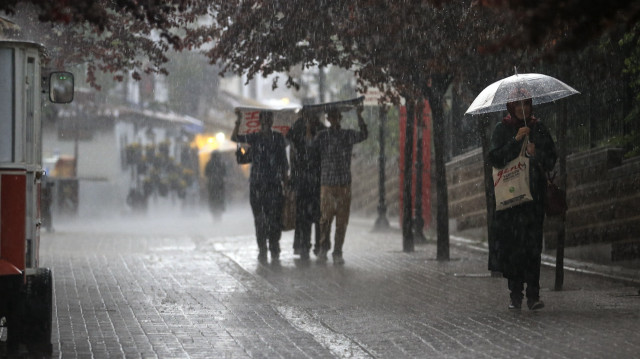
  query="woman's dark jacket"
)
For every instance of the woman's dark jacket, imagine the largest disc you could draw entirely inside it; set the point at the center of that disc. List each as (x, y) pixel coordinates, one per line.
(516, 233)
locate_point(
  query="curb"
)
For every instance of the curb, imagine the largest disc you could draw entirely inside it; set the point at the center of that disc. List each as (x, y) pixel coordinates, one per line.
(626, 275)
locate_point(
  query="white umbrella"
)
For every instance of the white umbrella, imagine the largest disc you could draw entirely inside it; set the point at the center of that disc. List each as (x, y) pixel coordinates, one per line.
(540, 88)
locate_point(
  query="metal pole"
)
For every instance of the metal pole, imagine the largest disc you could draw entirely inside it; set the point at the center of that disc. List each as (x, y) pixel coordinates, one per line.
(407, 220)
(321, 84)
(382, 222)
(561, 135)
(418, 221)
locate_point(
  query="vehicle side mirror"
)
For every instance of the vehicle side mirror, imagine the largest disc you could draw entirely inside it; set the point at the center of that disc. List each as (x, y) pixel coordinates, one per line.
(61, 87)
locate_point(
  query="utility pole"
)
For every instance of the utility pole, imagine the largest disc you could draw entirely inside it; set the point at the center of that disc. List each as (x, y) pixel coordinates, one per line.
(407, 220)
(321, 85)
(561, 135)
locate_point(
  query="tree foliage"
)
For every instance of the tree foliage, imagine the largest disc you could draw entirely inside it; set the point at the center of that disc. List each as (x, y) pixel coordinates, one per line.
(111, 36)
(560, 25)
(267, 36)
(631, 43)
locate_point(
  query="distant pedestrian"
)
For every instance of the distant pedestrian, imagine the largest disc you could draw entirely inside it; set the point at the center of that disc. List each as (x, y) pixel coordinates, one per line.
(268, 173)
(517, 231)
(335, 146)
(305, 178)
(215, 172)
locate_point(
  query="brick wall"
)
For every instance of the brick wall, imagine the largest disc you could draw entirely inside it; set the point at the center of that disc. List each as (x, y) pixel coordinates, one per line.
(603, 192)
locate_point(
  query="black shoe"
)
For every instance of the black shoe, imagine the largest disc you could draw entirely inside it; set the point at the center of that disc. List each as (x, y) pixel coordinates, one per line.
(275, 255)
(515, 305)
(262, 257)
(322, 257)
(337, 259)
(535, 305)
(304, 255)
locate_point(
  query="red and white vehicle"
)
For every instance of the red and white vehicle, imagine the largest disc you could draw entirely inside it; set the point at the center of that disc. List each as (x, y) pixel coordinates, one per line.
(25, 287)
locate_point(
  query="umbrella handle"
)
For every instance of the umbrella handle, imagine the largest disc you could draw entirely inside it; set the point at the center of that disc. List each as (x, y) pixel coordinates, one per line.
(526, 140)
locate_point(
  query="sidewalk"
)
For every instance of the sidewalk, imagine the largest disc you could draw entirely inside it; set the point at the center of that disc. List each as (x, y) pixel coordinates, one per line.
(619, 273)
(184, 286)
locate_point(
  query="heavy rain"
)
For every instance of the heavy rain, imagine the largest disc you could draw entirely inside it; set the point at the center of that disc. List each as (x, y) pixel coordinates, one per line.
(269, 179)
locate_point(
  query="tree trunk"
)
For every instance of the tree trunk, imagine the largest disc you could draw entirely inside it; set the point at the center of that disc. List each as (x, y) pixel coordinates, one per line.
(436, 91)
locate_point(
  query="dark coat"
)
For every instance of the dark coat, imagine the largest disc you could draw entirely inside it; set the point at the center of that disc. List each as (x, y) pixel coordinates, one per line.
(215, 172)
(515, 236)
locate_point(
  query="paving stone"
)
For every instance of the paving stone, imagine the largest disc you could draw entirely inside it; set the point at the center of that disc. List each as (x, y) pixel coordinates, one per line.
(185, 287)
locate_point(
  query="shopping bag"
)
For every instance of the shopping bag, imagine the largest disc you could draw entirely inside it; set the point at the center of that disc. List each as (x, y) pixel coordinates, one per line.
(289, 209)
(511, 183)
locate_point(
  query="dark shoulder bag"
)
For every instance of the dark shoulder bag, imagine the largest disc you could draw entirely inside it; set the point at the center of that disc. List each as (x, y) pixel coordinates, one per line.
(555, 201)
(243, 156)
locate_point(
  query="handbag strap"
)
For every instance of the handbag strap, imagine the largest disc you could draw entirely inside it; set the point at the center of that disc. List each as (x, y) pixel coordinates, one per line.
(523, 150)
(550, 178)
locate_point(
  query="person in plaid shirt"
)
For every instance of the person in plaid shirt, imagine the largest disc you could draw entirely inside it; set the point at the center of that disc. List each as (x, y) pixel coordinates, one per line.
(335, 146)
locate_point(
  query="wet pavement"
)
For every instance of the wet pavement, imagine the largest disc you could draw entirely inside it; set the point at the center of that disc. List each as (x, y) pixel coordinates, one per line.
(179, 285)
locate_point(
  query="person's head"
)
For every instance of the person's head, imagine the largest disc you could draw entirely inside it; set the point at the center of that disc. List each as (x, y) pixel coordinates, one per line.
(522, 104)
(311, 117)
(334, 116)
(266, 120)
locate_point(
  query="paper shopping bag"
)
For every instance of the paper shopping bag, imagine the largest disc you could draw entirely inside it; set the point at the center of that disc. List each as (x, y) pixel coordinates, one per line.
(511, 183)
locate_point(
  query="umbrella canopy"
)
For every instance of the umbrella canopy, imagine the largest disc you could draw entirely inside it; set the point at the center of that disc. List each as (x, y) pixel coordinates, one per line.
(540, 88)
(342, 106)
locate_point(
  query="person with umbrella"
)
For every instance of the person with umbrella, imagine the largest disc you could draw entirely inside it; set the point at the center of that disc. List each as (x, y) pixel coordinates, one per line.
(335, 146)
(517, 231)
(269, 167)
(305, 178)
(515, 234)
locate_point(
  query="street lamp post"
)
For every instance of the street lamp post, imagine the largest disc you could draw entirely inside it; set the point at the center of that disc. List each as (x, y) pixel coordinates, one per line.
(407, 217)
(418, 221)
(382, 223)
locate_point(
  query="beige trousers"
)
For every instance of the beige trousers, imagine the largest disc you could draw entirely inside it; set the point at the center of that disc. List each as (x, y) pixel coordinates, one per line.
(335, 201)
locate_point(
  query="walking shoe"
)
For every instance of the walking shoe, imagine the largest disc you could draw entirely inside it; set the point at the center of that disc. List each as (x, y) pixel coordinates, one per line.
(275, 255)
(337, 259)
(322, 257)
(535, 305)
(304, 255)
(515, 305)
(262, 257)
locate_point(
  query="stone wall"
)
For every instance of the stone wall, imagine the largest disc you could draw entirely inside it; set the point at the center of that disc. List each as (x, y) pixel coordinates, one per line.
(603, 192)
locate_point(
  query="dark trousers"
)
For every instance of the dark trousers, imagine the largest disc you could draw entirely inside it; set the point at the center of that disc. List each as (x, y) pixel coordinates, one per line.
(307, 213)
(519, 235)
(266, 204)
(530, 276)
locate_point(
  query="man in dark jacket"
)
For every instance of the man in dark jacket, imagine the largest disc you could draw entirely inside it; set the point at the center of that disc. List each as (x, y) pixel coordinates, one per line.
(305, 178)
(517, 231)
(215, 172)
(268, 172)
